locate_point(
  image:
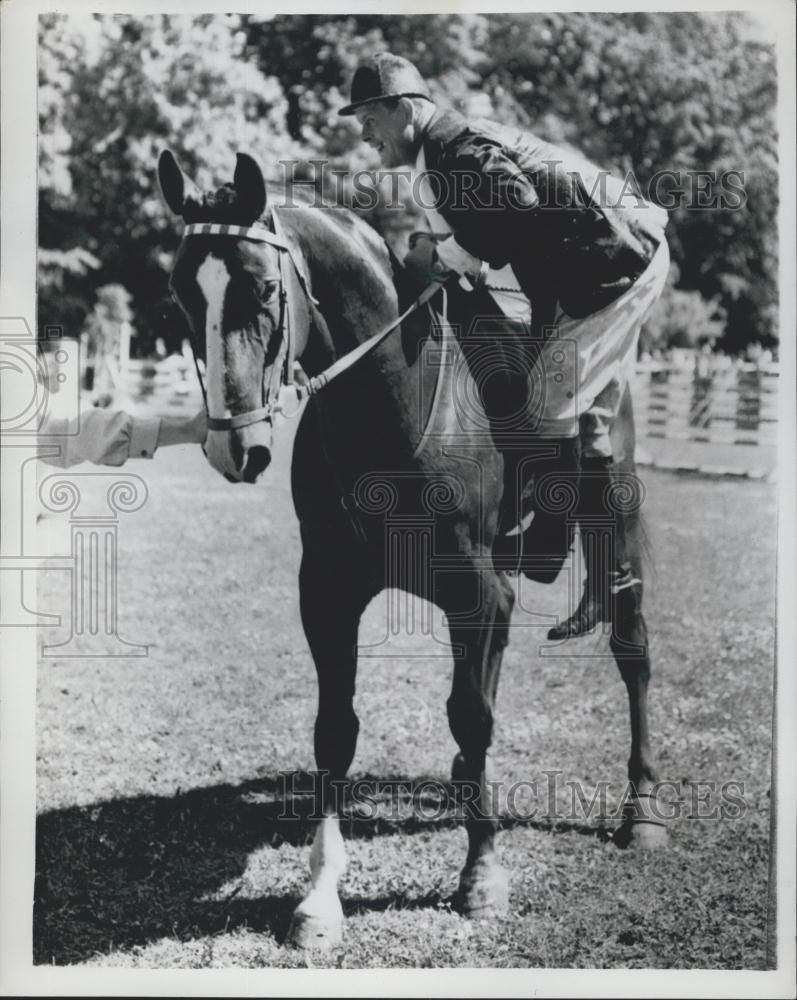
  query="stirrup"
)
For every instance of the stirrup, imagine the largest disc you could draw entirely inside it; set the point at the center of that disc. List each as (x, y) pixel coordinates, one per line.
(622, 581)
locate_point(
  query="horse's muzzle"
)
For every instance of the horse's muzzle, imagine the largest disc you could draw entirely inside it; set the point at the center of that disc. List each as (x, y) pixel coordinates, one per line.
(240, 456)
(257, 459)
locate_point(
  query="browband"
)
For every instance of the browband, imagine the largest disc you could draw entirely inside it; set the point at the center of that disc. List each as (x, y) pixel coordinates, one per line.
(259, 233)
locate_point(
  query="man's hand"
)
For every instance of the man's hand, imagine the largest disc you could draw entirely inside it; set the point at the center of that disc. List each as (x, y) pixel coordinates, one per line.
(425, 234)
(198, 427)
(422, 263)
(183, 430)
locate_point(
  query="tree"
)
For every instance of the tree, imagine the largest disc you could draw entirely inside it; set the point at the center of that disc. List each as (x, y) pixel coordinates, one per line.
(115, 91)
(652, 92)
(682, 319)
(637, 91)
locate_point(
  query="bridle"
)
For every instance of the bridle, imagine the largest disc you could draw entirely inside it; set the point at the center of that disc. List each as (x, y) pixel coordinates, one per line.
(285, 365)
(282, 370)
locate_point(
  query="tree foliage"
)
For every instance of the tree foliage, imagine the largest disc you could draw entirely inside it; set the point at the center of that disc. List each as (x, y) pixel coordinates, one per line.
(645, 92)
(116, 91)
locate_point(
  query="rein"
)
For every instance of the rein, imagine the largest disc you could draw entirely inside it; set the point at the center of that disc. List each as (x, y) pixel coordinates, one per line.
(313, 384)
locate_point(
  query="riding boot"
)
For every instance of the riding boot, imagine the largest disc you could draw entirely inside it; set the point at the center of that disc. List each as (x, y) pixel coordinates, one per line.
(602, 528)
(547, 540)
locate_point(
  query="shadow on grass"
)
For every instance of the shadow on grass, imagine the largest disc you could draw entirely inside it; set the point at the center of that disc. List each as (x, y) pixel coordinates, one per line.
(131, 871)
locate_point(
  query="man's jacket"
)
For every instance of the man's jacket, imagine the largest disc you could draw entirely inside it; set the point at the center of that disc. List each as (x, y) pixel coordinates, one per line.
(510, 197)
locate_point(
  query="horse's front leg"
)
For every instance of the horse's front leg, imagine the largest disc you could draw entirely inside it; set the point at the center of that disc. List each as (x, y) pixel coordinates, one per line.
(478, 648)
(318, 920)
(331, 606)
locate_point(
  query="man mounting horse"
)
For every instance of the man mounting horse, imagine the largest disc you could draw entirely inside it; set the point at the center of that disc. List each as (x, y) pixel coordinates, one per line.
(557, 267)
(391, 490)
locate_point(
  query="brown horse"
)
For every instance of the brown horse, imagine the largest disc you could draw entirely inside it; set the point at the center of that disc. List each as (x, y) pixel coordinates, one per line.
(384, 443)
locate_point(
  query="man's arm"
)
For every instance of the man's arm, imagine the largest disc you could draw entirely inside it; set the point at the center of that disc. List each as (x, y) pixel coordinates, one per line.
(491, 202)
(456, 258)
(108, 437)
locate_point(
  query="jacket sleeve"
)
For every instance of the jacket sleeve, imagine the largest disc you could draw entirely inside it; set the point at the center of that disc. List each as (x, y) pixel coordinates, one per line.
(456, 258)
(491, 203)
(104, 437)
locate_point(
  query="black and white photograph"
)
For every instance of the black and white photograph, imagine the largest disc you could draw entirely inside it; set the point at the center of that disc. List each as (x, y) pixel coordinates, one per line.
(398, 500)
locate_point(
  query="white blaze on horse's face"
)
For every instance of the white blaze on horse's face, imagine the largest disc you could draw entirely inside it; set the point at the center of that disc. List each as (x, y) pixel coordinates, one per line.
(213, 279)
(241, 454)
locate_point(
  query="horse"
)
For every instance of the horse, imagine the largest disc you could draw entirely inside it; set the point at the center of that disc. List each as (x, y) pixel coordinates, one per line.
(264, 287)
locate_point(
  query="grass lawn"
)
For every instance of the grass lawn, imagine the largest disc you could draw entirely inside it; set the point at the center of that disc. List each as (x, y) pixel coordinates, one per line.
(160, 842)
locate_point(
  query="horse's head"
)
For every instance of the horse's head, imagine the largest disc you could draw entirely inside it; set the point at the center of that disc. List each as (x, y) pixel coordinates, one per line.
(232, 291)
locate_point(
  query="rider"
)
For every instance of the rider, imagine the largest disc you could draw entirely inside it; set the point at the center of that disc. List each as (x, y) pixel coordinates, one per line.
(530, 224)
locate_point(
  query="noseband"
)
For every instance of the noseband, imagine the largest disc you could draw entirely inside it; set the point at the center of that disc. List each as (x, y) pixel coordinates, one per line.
(270, 405)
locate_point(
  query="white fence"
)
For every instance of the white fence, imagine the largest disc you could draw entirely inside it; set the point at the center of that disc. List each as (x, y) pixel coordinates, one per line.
(732, 405)
(164, 385)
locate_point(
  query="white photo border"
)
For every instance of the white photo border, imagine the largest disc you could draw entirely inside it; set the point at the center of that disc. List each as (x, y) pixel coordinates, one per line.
(18, 200)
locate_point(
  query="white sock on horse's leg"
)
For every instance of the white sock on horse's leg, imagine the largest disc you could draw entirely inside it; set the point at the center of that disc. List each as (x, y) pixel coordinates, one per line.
(318, 919)
(328, 853)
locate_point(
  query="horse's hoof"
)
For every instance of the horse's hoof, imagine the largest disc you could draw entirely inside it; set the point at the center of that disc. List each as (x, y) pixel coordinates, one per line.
(308, 930)
(641, 835)
(483, 891)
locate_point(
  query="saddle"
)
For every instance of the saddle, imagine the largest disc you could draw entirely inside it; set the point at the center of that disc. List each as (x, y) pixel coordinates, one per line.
(501, 356)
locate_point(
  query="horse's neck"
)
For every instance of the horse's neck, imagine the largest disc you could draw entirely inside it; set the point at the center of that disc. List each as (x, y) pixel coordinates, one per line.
(352, 277)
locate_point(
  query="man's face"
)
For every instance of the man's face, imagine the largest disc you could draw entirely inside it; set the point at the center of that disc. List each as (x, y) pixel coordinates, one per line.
(389, 131)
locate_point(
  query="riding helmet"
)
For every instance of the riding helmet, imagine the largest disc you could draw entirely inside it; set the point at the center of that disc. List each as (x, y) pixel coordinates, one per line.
(383, 77)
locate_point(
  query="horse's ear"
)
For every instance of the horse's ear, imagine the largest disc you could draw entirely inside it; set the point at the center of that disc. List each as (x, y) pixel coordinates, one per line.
(249, 185)
(175, 187)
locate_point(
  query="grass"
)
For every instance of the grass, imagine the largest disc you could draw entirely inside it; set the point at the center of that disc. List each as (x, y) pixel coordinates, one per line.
(160, 842)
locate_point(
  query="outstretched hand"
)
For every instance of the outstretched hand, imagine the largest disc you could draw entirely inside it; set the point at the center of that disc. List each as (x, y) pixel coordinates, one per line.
(198, 427)
(183, 430)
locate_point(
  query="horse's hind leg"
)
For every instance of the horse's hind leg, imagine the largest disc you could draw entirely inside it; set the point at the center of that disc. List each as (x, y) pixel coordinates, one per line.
(331, 605)
(643, 824)
(478, 648)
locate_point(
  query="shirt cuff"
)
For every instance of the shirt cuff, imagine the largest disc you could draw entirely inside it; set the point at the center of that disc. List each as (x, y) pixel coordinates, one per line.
(456, 258)
(143, 436)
